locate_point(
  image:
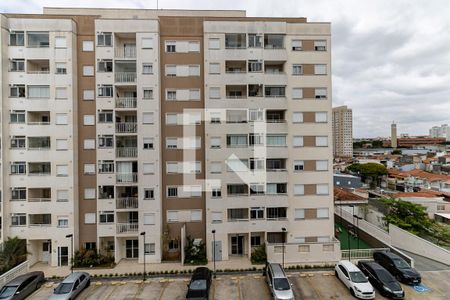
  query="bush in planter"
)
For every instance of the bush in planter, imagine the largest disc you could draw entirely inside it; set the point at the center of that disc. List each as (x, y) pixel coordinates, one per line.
(91, 258)
(259, 255)
(195, 252)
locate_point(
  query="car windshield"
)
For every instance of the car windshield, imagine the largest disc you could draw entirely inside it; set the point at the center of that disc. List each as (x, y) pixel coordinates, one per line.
(401, 264)
(7, 291)
(358, 277)
(64, 288)
(281, 284)
(198, 285)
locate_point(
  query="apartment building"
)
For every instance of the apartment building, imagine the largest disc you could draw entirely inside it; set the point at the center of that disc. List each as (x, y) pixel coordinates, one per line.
(122, 126)
(342, 132)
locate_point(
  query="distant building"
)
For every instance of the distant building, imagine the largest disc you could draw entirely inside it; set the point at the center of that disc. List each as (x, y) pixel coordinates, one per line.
(442, 131)
(394, 135)
(347, 181)
(413, 142)
(342, 132)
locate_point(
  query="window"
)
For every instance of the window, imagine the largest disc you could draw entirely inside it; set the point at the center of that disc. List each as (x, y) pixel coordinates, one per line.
(172, 216)
(17, 91)
(297, 93)
(321, 165)
(194, 94)
(149, 194)
(299, 165)
(194, 46)
(148, 168)
(328, 248)
(61, 144)
(255, 40)
(16, 38)
(171, 143)
(320, 69)
(257, 213)
(322, 213)
(62, 195)
(147, 68)
(62, 170)
(61, 93)
(297, 45)
(276, 140)
(89, 218)
(214, 68)
(147, 43)
(321, 141)
(105, 141)
(148, 118)
(320, 93)
(88, 70)
(89, 120)
(105, 166)
(89, 144)
(255, 240)
(299, 214)
(273, 41)
(255, 66)
(196, 215)
(172, 191)
(173, 245)
(88, 46)
(17, 116)
(171, 119)
(297, 69)
(63, 222)
(216, 192)
(104, 39)
(255, 115)
(214, 92)
(235, 41)
(19, 193)
(89, 169)
(214, 43)
(17, 142)
(215, 117)
(149, 249)
(105, 116)
(321, 117)
(18, 219)
(148, 143)
(90, 245)
(320, 45)
(38, 91)
(171, 46)
(194, 70)
(105, 91)
(105, 65)
(38, 39)
(18, 167)
(237, 140)
(148, 93)
(276, 213)
(216, 167)
(88, 95)
(215, 142)
(216, 217)
(149, 219)
(257, 164)
(60, 42)
(299, 189)
(276, 188)
(322, 189)
(171, 70)
(171, 95)
(17, 65)
(89, 193)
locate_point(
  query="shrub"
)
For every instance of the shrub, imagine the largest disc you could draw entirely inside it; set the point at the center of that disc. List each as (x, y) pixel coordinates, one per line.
(259, 255)
(91, 258)
(195, 252)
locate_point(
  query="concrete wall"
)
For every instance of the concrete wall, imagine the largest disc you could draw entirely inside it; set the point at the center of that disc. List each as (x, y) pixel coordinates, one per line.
(294, 253)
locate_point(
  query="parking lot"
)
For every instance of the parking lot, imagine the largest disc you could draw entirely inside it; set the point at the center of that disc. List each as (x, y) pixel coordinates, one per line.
(306, 285)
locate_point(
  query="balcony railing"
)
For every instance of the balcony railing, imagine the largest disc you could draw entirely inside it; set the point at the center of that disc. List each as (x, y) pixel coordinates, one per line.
(126, 151)
(38, 123)
(127, 227)
(126, 127)
(39, 199)
(126, 102)
(125, 52)
(126, 177)
(38, 72)
(125, 77)
(127, 202)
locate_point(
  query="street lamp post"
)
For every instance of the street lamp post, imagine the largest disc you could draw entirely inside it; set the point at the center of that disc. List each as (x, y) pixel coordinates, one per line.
(70, 236)
(284, 241)
(214, 251)
(143, 235)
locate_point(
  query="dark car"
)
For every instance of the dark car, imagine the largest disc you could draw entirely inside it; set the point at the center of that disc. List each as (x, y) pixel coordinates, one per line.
(22, 286)
(381, 279)
(398, 267)
(198, 288)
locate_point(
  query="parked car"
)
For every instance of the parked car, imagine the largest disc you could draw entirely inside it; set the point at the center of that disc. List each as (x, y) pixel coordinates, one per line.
(71, 286)
(198, 287)
(381, 279)
(279, 285)
(354, 280)
(398, 267)
(22, 286)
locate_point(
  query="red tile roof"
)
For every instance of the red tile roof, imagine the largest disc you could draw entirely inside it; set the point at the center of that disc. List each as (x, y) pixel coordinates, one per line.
(341, 194)
(420, 174)
(422, 194)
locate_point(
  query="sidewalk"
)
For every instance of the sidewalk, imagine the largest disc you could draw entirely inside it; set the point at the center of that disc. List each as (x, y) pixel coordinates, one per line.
(132, 266)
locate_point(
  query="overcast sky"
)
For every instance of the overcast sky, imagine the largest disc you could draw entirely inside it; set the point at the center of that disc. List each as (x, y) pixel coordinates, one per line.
(391, 59)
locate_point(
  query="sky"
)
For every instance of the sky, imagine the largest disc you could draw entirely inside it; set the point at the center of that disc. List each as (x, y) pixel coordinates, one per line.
(390, 59)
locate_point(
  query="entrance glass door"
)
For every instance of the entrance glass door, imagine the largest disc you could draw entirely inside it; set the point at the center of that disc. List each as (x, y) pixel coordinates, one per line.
(132, 248)
(237, 245)
(63, 256)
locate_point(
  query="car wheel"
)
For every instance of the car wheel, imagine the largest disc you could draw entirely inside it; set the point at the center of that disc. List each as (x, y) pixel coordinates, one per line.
(352, 292)
(88, 283)
(336, 274)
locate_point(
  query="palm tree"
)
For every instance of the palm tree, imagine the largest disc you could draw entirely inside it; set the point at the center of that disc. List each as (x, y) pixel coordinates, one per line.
(12, 253)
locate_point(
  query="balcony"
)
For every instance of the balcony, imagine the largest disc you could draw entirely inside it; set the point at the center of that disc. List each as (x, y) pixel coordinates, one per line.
(39, 169)
(127, 177)
(38, 118)
(127, 227)
(275, 91)
(235, 41)
(126, 52)
(106, 192)
(39, 195)
(38, 66)
(275, 116)
(125, 77)
(126, 102)
(126, 152)
(273, 41)
(236, 91)
(38, 39)
(274, 67)
(238, 215)
(276, 165)
(126, 127)
(235, 66)
(40, 220)
(39, 143)
(127, 203)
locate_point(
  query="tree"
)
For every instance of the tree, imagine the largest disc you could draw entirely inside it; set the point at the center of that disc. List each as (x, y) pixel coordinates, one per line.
(195, 253)
(372, 171)
(396, 151)
(12, 253)
(259, 255)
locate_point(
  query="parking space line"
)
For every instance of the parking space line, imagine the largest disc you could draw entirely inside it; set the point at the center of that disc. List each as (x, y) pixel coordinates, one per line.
(139, 289)
(314, 289)
(162, 290)
(109, 295)
(238, 283)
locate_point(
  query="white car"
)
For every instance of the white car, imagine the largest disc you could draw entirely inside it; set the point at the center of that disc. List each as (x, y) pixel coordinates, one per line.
(354, 280)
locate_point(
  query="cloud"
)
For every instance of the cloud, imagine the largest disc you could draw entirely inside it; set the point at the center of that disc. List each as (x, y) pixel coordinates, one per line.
(390, 58)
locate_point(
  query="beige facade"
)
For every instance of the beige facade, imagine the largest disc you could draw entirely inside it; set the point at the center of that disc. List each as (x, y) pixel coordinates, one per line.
(342, 132)
(130, 125)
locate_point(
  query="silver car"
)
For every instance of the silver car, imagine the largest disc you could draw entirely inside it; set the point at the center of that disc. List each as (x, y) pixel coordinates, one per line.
(279, 285)
(71, 286)
(22, 286)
